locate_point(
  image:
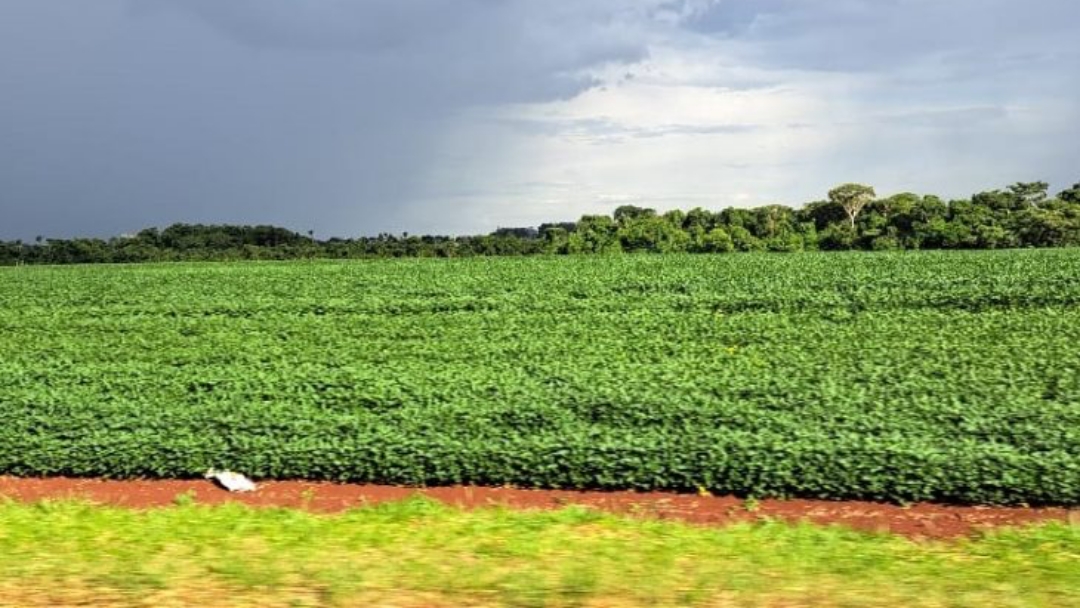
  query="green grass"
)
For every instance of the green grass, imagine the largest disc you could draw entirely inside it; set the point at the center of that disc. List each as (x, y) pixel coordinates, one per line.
(418, 553)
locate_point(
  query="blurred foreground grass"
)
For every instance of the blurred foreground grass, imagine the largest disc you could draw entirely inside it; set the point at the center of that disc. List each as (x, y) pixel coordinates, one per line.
(419, 554)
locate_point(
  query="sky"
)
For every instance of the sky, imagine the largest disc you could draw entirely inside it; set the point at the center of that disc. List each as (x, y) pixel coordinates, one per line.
(356, 117)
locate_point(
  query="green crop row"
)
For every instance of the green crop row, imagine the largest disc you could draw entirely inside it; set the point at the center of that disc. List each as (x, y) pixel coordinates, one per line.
(914, 376)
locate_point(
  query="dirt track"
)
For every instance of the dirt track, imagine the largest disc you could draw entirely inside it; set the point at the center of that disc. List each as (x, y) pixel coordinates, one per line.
(922, 520)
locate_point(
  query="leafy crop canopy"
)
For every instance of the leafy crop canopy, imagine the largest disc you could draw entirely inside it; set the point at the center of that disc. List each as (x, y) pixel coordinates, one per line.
(944, 376)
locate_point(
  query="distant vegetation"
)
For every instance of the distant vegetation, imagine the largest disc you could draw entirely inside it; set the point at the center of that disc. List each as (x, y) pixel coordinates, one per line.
(1022, 215)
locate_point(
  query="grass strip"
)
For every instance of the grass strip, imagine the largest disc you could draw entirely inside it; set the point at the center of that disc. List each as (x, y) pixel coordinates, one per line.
(421, 553)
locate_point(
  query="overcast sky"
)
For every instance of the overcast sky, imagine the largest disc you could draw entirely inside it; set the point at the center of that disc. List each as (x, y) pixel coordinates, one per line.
(354, 117)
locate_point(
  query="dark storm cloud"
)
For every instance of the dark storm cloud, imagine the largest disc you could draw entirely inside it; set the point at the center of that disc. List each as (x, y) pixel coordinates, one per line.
(118, 115)
(474, 51)
(346, 116)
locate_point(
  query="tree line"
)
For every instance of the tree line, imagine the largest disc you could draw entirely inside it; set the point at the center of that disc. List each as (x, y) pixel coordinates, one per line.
(852, 217)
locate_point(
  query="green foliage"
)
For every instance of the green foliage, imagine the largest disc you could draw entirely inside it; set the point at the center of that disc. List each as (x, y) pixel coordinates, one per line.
(595, 234)
(837, 237)
(651, 233)
(1072, 195)
(1022, 215)
(852, 198)
(944, 376)
(717, 240)
(185, 499)
(886, 243)
(744, 240)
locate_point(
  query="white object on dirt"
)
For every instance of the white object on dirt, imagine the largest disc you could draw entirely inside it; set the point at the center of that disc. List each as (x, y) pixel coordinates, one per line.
(233, 482)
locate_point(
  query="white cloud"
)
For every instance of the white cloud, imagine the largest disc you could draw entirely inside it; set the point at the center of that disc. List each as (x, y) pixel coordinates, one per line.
(456, 116)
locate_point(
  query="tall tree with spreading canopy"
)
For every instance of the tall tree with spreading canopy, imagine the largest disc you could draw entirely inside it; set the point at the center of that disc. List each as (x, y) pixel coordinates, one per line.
(1029, 194)
(853, 198)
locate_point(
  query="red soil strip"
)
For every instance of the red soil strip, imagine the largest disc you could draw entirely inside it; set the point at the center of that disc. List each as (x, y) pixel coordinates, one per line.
(922, 520)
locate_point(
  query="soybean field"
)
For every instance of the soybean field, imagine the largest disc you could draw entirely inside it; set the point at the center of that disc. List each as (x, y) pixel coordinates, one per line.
(945, 376)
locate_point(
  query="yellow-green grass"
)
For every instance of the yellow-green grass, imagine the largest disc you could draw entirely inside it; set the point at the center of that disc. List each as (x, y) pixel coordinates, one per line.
(419, 553)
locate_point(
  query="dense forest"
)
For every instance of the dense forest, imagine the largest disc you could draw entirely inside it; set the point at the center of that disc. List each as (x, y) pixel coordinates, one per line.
(852, 217)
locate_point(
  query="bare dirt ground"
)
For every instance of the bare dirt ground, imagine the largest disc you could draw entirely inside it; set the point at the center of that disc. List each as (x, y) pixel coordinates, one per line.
(920, 520)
